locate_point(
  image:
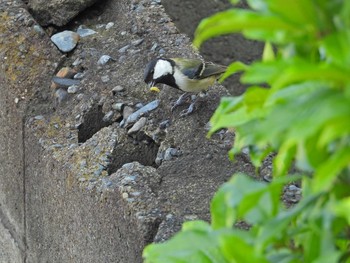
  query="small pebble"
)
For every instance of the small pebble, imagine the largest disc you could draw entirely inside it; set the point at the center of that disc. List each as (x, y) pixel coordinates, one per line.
(127, 111)
(79, 75)
(158, 161)
(39, 30)
(84, 32)
(139, 105)
(80, 96)
(122, 59)
(39, 117)
(118, 106)
(108, 116)
(137, 114)
(124, 49)
(117, 89)
(66, 72)
(72, 89)
(61, 95)
(137, 42)
(65, 41)
(104, 59)
(209, 156)
(164, 124)
(138, 125)
(154, 47)
(105, 79)
(77, 62)
(292, 187)
(16, 100)
(109, 25)
(170, 153)
(65, 82)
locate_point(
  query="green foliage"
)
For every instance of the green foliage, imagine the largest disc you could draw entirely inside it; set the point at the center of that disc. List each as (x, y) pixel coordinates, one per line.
(297, 105)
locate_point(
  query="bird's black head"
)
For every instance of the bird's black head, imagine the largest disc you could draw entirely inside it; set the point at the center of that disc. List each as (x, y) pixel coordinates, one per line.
(160, 70)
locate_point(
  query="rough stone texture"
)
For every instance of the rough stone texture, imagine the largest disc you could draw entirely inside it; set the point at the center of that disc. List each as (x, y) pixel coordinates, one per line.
(57, 12)
(77, 188)
(187, 14)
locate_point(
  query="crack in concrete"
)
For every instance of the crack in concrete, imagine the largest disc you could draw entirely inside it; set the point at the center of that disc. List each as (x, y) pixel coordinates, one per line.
(5, 221)
(24, 193)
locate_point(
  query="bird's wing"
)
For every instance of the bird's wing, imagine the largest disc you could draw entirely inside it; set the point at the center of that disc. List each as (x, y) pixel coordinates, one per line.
(197, 69)
(211, 69)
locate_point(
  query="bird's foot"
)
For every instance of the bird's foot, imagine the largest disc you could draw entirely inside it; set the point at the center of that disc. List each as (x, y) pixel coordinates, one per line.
(189, 110)
(181, 100)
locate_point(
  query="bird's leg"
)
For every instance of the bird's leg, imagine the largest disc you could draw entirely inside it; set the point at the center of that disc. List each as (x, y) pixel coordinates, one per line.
(192, 107)
(181, 100)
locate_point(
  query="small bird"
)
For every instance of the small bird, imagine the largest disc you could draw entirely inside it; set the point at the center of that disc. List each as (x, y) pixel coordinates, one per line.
(189, 75)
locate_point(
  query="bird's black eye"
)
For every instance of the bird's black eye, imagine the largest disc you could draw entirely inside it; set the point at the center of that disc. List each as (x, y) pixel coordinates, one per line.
(152, 71)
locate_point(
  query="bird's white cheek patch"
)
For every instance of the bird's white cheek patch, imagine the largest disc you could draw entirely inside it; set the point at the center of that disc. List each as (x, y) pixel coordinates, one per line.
(162, 68)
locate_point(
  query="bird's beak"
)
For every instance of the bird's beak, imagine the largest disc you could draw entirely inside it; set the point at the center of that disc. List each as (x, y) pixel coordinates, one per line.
(151, 84)
(152, 87)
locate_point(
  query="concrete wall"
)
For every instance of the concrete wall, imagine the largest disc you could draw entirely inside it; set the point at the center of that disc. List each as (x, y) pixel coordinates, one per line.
(52, 208)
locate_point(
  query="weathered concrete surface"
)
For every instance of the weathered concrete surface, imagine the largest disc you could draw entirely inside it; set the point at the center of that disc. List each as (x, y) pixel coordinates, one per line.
(22, 72)
(63, 197)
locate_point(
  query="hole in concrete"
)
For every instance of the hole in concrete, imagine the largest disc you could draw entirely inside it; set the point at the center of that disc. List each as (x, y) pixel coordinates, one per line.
(93, 122)
(141, 149)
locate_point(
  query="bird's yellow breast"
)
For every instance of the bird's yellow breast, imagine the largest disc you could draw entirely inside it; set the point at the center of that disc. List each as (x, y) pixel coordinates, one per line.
(193, 85)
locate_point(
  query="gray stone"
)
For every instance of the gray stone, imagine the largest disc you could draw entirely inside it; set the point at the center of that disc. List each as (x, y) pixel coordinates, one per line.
(124, 49)
(127, 111)
(39, 30)
(65, 41)
(137, 126)
(137, 114)
(170, 153)
(109, 25)
(108, 116)
(105, 79)
(118, 106)
(84, 32)
(65, 82)
(77, 62)
(61, 95)
(79, 75)
(73, 89)
(154, 47)
(118, 89)
(137, 42)
(104, 59)
(57, 12)
(80, 96)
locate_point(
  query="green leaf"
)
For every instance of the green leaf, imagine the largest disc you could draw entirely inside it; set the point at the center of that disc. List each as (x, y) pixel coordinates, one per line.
(336, 49)
(202, 245)
(234, 2)
(284, 158)
(268, 53)
(226, 202)
(328, 171)
(306, 72)
(334, 129)
(232, 69)
(299, 12)
(238, 247)
(255, 97)
(233, 21)
(342, 209)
